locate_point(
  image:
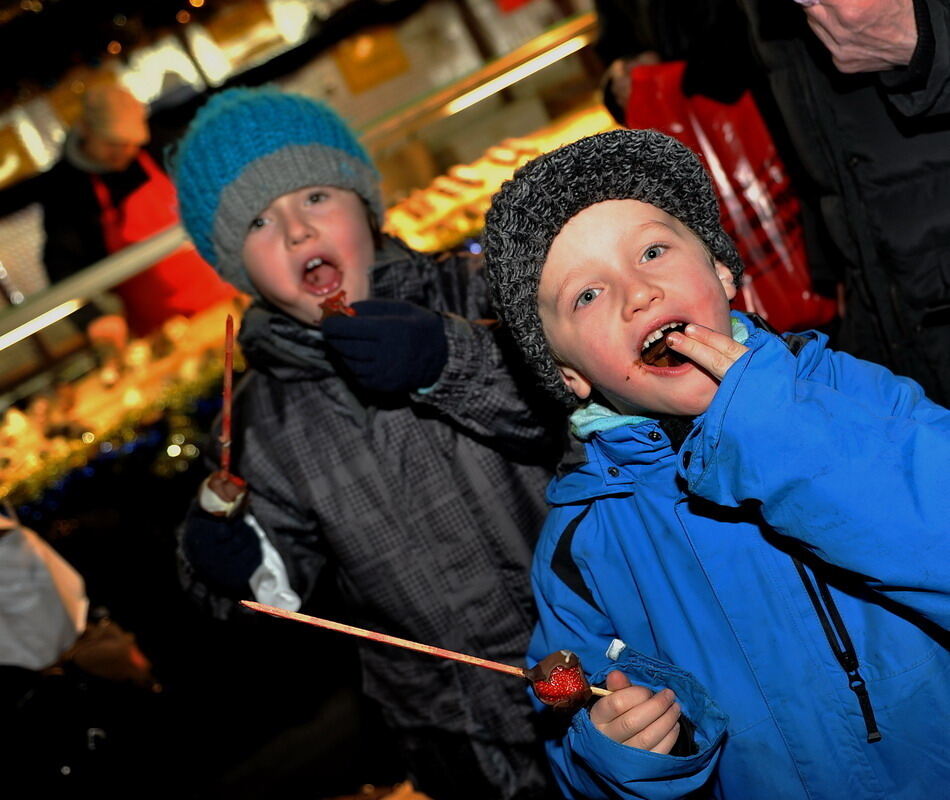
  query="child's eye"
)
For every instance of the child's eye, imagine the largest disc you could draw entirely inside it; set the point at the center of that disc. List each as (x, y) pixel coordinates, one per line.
(257, 223)
(587, 297)
(654, 251)
(317, 197)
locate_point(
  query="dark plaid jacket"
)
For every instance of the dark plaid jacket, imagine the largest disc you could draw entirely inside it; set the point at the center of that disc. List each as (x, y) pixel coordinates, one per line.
(427, 510)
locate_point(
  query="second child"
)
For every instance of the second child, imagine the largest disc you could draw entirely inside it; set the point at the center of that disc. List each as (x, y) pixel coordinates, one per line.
(392, 450)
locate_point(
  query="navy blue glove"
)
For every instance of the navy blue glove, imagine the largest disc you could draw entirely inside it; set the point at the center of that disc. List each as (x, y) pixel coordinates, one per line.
(222, 551)
(390, 345)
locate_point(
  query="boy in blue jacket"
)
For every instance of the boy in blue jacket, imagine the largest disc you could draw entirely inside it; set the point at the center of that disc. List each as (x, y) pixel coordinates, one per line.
(749, 540)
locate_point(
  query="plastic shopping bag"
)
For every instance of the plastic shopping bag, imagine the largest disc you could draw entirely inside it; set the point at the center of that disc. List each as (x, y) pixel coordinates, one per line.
(760, 209)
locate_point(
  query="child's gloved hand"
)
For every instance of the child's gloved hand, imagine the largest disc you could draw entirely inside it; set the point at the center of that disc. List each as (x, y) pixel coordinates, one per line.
(222, 494)
(222, 551)
(390, 345)
(635, 716)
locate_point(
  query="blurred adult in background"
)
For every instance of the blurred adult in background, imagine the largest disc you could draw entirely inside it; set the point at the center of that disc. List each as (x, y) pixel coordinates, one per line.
(856, 95)
(863, 87)
(108, 192)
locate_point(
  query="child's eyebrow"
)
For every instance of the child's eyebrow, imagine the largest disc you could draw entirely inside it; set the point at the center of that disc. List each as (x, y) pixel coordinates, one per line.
(571, 276)
(654, 223)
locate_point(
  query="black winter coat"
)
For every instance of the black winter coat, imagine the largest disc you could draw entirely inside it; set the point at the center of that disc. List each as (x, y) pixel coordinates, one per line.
(876, 151)
(426, 508)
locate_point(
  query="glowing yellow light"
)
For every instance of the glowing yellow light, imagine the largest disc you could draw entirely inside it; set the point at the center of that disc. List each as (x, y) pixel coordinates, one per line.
(88, 437)
(518, 73)
(132, 398)
(196, 3)
(292, 19)
(40, 322)
(173, 450)
(212, 58)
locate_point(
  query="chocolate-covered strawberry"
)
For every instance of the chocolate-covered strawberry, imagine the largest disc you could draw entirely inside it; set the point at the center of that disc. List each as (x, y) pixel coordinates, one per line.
(558, 681)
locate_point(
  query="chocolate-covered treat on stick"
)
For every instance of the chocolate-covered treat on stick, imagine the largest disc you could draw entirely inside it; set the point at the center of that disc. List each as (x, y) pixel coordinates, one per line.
(335, 305)
(561, 680)
(222, 494)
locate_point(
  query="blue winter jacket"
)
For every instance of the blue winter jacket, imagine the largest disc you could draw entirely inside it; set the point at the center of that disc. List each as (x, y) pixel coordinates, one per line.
(806, 514)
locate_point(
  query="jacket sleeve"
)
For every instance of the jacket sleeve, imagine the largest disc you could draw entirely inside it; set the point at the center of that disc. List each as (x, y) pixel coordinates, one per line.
(841, 455)
(923, 89)
(586, 763)
(72, 230)
(291, 547)
(485, 388)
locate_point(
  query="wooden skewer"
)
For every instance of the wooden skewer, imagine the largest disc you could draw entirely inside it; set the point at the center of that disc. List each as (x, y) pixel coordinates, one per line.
(395, 640)
(226, 403)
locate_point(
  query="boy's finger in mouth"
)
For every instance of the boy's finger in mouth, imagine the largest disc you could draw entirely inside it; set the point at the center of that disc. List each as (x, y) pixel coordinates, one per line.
(656, 352)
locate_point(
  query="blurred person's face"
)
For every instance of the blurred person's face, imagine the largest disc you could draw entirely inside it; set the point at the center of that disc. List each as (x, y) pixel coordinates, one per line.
(113, 154)
(306, 246)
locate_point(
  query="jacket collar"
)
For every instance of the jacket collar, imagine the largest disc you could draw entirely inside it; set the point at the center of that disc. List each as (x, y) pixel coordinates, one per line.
(610, 452)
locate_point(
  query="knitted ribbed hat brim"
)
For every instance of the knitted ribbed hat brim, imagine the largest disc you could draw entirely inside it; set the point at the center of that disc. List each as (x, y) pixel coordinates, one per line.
(271, 176)
(530, 210)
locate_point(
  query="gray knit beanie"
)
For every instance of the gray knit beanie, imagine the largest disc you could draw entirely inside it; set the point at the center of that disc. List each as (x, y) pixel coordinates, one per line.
(247, 147)
(530, 209)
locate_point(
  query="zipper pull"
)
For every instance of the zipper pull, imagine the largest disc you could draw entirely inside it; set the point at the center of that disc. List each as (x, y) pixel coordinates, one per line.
(856, 683)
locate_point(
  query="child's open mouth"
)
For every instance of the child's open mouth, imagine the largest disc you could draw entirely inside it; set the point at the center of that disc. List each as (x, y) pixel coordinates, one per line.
(321, 277)
(656, 353)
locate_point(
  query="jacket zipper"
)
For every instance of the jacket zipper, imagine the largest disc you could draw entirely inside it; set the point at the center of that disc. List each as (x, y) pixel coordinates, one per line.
(840, 643)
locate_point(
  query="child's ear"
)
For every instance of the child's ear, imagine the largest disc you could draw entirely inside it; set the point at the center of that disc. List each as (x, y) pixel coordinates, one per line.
(575, 381)
(726, 278)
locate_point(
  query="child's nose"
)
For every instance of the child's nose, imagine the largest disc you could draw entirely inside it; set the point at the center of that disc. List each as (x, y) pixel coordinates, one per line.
(298, 231)
(640, 294)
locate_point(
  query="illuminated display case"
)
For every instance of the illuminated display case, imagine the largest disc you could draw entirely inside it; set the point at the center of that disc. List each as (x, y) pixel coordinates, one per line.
(441, 156)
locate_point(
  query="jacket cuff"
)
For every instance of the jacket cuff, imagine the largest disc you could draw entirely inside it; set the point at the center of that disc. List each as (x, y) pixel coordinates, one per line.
(465, 361)
(640, 773)
(702, 451)
(915, 75)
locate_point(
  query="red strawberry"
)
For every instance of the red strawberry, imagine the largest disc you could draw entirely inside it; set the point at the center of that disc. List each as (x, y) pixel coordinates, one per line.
(559, 681)
(335, 304)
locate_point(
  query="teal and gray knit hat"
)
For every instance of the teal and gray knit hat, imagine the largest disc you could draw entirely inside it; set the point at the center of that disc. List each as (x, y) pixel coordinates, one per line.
(530, 209)
(245, 148)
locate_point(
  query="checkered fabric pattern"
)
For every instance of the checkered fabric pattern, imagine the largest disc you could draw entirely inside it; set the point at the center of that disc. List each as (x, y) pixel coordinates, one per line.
(428, 512)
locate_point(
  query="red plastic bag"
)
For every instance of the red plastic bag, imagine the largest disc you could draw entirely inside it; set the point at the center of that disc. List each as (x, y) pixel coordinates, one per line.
(760, 210)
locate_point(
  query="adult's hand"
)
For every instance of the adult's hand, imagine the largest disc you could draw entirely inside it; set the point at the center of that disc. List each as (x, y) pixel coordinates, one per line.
(865, 35)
